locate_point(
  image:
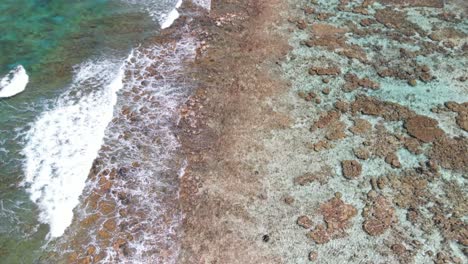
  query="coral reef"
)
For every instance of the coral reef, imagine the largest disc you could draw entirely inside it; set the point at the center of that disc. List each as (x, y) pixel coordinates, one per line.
(336, 215)
(379, 216)
(370, 106)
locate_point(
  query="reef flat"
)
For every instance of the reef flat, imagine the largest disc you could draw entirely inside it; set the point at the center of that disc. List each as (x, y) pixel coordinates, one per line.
(267, 131)
(328, 132)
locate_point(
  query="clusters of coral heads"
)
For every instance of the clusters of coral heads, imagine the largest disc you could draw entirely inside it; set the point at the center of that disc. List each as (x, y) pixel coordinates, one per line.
(353, 50)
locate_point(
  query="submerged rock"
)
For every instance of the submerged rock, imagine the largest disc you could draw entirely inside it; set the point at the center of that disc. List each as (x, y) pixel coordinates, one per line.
(414, 3)
(319, 235)
(451, 153)
(393, 160)
(423, 128)
(336, 131)
(324, 71)
(351, 169)
(361, 126)
(288, 199)
(326, 119)
(320, 176)
(379, 216)
(462, 113)
(337, 216)
(396, 19)
(313, 255)
(353, 82)
(321, 145)
(387, 110)
(304, 221)
(342, 106)
(362, 153)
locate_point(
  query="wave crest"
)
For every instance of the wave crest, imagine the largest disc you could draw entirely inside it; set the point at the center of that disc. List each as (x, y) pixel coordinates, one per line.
(14, 82)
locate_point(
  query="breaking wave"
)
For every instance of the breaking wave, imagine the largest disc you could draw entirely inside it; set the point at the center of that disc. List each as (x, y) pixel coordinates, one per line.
(63, 142)
(14, 82)
(129, 207)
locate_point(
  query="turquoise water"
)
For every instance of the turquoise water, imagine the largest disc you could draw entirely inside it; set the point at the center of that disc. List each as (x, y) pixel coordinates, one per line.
(49, 38)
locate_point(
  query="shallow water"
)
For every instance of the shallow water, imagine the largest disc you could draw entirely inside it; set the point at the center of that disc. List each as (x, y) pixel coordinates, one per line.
(377, 41)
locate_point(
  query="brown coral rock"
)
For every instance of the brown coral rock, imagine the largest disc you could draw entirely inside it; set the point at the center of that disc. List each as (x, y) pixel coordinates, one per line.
(462, 111)
(304, 222)
(334, 39)
(337, 214)
(326, 119)
(387, 110)
(324, 71)
(313, 255)
(353, 82)
(351, 168)
(110, 225)
(393, 160)
(393, 18)
(361, 126)
(320, 177)
(414, 3)
(288, 199)
(362, 153)
(305, 179)
(342, 106)
(411, 189)
(336, 131)
(367, 22)
(319, 235)
(102, 234)
(380, 216)
(398, 249)
(452, 228)
(451, 153)
(301, 24)
(321, 145)
(324, 16)
(106, 207)
(412, 145)
(309, 10)
(383, 142)
(423, 128)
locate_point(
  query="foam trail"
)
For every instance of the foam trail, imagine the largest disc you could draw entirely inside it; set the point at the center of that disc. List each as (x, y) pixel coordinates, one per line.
(14, 82)
(63, 143)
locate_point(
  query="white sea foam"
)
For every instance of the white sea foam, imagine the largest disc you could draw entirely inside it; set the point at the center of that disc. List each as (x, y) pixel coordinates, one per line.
(160, 12)
(168, 19)
(63, 143)
(141, 131)
(152, 185)
(203, 3)
(14, 82)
